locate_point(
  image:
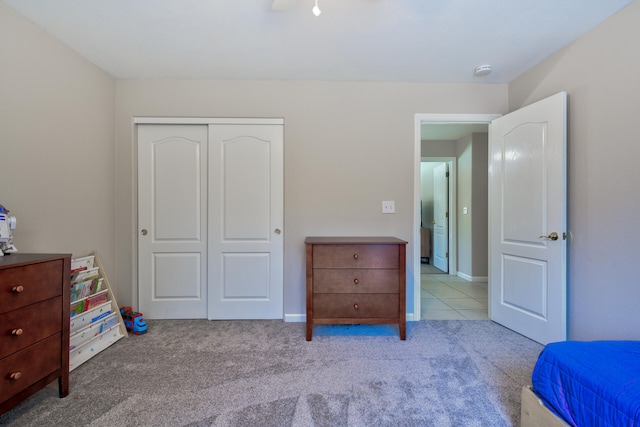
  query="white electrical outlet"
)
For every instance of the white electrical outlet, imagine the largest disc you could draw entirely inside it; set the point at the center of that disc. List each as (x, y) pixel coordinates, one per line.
(389, 206)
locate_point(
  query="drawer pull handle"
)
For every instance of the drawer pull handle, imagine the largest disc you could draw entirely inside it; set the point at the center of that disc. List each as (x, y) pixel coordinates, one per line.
(356, 281)
(17, 332)
(17, 289)
(355, 256)
(356, 306)
(15, 375)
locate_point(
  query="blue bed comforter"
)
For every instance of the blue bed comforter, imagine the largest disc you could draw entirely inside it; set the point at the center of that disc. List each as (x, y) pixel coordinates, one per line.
(591, 383)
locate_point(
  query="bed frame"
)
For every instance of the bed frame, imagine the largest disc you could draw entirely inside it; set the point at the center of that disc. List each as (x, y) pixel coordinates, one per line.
(533, 413)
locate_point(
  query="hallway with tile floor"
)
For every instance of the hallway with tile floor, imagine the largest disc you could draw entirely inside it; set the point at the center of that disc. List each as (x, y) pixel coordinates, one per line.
(447, 297)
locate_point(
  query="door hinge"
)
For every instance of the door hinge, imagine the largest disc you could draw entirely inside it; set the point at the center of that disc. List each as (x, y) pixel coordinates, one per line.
(446, 214)
(446, 255)
(446, 174)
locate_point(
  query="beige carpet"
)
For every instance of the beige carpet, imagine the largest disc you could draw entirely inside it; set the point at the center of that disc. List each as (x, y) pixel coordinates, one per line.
(264, 373)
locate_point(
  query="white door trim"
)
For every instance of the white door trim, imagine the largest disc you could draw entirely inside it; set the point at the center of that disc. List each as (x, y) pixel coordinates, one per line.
(207, 121)
(421, 118)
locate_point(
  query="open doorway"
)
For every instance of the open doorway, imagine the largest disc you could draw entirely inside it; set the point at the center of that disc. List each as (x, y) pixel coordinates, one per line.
(459, 291)
(437, 181)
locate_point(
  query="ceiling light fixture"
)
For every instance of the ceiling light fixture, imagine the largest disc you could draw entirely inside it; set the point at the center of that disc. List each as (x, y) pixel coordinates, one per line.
(482, 70)
(316, 10)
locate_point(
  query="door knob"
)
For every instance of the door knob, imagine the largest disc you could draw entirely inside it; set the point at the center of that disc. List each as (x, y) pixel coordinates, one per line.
(144, 232)
(552, 236)
(277, 231)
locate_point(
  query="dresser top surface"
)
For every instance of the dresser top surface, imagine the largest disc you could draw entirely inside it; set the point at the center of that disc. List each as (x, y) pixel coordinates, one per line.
(364, 240)
(18, 259)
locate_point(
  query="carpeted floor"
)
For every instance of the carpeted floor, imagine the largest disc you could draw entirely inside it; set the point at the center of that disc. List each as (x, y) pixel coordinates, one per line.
(264, 373)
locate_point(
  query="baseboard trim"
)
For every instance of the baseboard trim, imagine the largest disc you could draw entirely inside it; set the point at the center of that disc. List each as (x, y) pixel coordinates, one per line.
(303, 317)
(295, 317)
(472, 278)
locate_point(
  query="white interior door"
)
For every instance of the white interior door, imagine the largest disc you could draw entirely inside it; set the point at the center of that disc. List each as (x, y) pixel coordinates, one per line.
(527, 202)
(441, 218)
(245, 230)
(172, 221)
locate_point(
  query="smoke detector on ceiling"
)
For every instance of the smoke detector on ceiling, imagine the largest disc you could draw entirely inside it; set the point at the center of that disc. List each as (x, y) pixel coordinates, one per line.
(482, 70)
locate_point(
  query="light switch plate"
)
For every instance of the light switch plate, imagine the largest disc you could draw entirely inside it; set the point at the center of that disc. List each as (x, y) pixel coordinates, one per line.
(389, 206)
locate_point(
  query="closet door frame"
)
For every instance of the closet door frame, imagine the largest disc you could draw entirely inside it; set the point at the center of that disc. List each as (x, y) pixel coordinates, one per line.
(278, 219)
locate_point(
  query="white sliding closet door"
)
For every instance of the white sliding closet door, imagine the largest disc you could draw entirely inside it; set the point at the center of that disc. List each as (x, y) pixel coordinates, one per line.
(210, 218)
(246, 218)
(172, 221)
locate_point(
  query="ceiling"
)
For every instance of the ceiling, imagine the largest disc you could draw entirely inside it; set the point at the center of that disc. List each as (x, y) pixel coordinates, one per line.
(439, 41)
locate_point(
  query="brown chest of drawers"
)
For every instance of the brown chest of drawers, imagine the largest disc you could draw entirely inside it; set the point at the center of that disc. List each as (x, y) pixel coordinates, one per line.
(34, 325)
(356, 280)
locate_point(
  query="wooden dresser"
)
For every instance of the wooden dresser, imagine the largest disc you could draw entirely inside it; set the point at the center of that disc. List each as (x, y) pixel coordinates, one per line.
(34, 325)
(356, 280)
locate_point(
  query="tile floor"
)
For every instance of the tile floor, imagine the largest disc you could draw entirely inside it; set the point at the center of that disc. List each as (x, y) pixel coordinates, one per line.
(446, 297)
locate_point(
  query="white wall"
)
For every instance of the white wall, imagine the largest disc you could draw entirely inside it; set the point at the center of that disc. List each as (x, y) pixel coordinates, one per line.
(479, 209)
(472, 151)
(464, 153)
(57, 159)
(346, 144)
(600, 72)
(348, 147)
(437, 148)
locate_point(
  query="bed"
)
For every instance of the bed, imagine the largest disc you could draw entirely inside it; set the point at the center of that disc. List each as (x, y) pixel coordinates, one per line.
(584, 384)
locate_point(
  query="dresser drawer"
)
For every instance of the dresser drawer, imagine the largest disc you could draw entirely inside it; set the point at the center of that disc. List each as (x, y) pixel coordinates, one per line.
(354, 280)
(21, 328)
(355, 306)
(22, 369)
(355, 256)
(24, 285)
